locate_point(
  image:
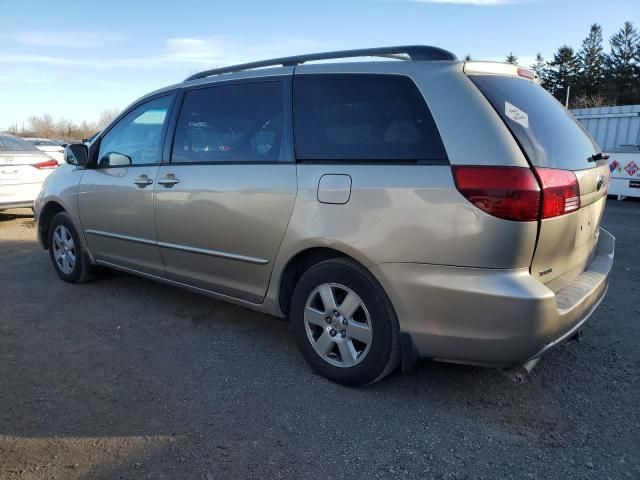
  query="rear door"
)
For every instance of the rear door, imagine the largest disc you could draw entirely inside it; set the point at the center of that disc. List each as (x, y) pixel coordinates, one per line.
(561, 153)
(223, 202)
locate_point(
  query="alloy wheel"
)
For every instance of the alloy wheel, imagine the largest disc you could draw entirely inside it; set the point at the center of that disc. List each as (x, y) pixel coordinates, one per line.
(338, 325)
(64, 250)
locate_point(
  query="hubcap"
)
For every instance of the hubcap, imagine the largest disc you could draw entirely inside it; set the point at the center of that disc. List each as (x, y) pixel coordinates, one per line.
(64, 250)
(338, 325)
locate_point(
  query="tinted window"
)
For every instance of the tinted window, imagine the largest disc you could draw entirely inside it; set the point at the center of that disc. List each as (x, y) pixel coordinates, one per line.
(15, 144)
(363, 117)
(231, 123)
(136, 139)
(548, 133)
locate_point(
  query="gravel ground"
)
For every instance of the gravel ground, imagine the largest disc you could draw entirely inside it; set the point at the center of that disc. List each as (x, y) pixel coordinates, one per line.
(127, 378)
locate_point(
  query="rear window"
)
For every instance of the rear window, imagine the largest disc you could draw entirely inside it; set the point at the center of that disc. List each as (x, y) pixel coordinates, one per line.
(15, 144)
(43, 143)
(363, 117)
(547, 132)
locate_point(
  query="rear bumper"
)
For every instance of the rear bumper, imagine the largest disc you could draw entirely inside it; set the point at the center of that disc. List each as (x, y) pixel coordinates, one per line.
(491, 317)
(19, 196)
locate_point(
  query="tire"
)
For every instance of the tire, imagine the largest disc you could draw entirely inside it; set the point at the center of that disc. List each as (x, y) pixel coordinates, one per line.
(359, 344)
(67, 254)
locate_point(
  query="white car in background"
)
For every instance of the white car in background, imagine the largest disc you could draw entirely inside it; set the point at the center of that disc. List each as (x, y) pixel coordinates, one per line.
(23, 170)
(51, 148)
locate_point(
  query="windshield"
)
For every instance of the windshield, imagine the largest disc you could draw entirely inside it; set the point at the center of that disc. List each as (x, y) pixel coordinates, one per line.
(549, 135)
(15, 144)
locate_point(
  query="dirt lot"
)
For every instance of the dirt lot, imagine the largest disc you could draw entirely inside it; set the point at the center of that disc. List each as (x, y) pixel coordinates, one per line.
(126, 378)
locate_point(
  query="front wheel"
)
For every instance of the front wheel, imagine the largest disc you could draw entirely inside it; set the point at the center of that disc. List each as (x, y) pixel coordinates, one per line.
(344, 323)
(69, 259)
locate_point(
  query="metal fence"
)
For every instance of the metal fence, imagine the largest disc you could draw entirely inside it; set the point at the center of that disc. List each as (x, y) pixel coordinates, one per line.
(614, 128)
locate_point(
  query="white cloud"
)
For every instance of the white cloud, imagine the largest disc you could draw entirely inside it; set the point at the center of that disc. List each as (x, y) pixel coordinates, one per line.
(65, 39)
(197, 52)
(224, 50)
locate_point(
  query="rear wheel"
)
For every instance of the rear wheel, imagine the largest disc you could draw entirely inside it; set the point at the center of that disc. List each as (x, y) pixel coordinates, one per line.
(69, 259)
(344, 323)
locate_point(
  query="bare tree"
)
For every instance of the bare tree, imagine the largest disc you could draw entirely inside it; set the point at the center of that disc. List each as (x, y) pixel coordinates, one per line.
(13, 128)
(62, 128)
(106, 116)
(590, 101)
(86, 129)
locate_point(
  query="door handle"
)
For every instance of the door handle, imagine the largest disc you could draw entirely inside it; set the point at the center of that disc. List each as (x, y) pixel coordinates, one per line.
(142, 181)
(169, 181)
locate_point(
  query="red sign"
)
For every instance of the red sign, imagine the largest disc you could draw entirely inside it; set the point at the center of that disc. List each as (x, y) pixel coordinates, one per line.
(631, 168)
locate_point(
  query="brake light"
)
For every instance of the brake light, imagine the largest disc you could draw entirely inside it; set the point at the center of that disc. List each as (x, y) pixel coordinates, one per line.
(523, 72)
(46, 164)
(560, 191)
(518, 193)
(511, 193)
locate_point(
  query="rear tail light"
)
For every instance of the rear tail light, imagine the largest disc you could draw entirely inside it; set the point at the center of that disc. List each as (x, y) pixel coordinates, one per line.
(560, 191)
(517, 193)
(511, 193)
(46, 164)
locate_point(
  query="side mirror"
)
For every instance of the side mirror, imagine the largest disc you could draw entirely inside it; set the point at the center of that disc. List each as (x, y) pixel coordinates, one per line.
(76, 154)
(114, 159)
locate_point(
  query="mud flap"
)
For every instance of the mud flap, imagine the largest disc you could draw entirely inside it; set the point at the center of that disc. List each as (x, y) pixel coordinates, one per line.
(409, 356)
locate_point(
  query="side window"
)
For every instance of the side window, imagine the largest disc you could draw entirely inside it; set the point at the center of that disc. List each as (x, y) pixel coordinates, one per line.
(363, 117)
(136, 139)
(231, 123)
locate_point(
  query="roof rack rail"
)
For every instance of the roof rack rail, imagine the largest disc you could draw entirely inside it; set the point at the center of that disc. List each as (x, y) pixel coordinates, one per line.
(407, 52)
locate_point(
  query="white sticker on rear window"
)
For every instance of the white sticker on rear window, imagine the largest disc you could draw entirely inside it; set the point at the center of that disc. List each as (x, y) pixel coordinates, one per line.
(517, 115)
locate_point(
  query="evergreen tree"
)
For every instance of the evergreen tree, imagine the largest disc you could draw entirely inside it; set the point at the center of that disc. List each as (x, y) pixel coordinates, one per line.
(511, 58)
(539, 65)
(623, 65)
(591, 58)
(562, 72)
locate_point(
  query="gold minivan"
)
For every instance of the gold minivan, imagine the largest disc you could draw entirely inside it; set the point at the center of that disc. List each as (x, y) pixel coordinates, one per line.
(417, 207)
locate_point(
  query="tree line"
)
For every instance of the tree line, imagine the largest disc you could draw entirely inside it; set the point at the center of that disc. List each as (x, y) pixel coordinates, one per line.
(594, 78)
(62, 129)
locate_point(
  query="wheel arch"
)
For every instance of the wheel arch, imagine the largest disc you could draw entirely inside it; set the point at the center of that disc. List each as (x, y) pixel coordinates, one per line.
(300, 263)
(50, 209)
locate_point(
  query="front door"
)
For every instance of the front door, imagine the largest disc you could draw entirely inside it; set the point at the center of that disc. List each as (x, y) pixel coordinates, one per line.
(115, 196)
(224, 201)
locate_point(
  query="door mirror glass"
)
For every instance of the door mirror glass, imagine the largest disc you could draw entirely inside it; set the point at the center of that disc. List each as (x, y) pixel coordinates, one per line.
(114, 159)
(76, 154)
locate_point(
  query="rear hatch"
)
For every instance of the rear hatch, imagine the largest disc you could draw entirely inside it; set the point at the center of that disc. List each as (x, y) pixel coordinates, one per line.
(21, 162)
(564, 159)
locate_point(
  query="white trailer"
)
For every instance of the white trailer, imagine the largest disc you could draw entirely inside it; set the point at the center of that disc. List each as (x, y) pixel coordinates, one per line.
(617, 131)
(625, 174)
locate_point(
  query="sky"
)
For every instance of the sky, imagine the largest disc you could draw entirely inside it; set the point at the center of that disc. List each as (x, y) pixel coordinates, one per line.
(74, 59)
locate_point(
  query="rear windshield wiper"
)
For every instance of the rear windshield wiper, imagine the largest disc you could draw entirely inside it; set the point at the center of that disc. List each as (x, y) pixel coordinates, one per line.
(598, 156)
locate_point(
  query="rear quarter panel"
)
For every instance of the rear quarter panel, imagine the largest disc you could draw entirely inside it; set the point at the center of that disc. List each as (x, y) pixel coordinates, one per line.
(404, 213)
